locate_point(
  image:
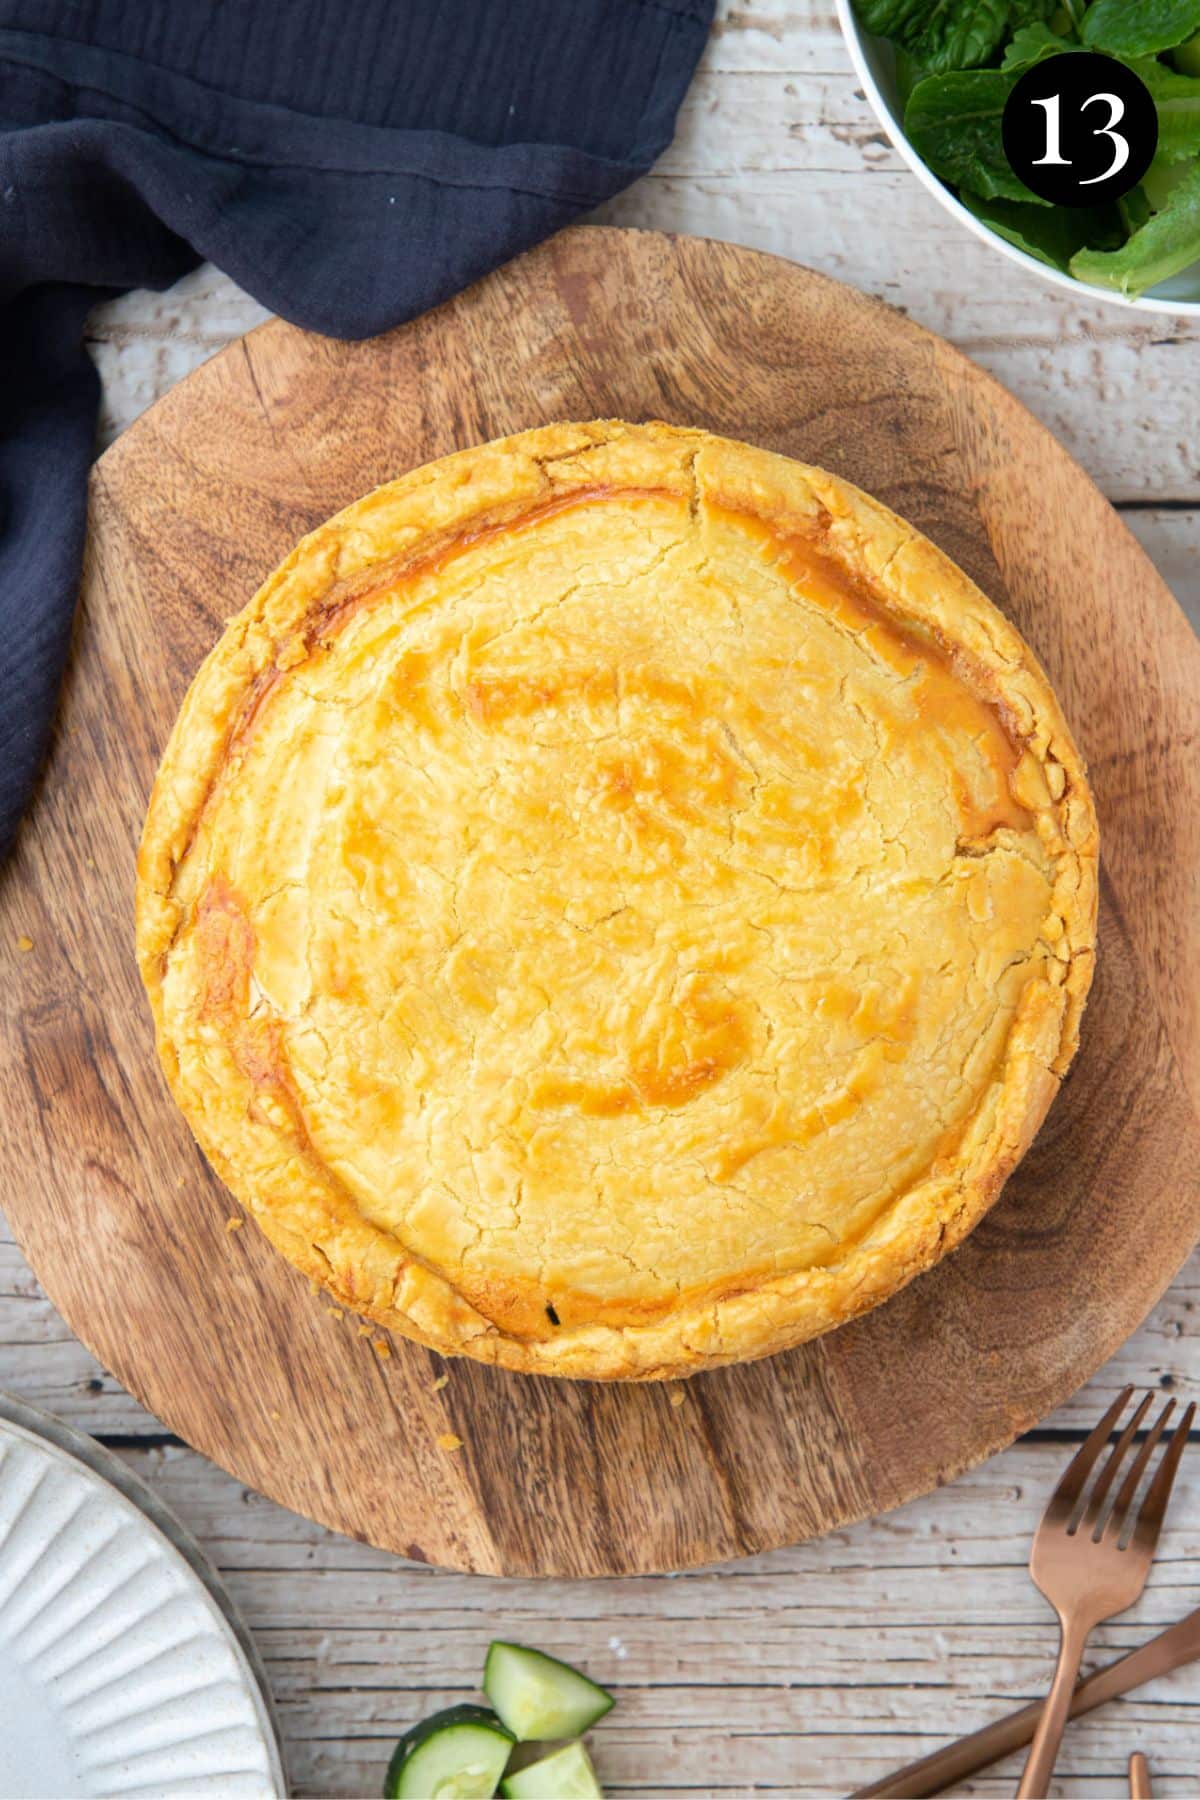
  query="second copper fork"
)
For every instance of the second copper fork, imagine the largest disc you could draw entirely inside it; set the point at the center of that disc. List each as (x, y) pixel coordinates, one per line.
(1090, 1558)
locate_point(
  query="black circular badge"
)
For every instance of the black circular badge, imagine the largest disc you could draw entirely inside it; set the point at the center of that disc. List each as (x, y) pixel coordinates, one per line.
(1080, 128)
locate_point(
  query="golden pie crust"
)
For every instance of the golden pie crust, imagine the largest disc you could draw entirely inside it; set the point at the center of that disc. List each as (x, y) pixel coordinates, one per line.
(617, 901)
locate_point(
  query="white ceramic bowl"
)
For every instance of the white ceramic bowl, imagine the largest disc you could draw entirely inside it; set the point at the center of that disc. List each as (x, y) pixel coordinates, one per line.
(875, 65)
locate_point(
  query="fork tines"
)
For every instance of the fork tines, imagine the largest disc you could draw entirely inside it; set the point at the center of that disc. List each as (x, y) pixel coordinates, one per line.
(1078, 1505)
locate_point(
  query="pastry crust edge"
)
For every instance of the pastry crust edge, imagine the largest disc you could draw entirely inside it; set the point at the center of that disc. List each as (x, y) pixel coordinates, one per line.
(313, 1224)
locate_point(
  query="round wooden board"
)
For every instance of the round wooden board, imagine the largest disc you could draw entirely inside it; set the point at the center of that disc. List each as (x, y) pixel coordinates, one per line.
(211, 1329)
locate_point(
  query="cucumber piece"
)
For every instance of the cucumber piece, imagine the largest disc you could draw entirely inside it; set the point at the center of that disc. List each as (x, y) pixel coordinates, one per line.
(539, 1697)
(458, 1754)
(567, 1774)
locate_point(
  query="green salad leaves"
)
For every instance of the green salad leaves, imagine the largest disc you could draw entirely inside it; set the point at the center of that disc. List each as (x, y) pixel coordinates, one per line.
(1168, 242)
(950, 34)
(1031, 45)
(1138, 27)
(953, 123)
(1177, 102)
(957, 63)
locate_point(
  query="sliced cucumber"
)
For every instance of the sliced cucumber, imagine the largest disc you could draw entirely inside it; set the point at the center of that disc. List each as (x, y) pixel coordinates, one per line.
(539, 1697)
(567, 1774)
(458, 1754)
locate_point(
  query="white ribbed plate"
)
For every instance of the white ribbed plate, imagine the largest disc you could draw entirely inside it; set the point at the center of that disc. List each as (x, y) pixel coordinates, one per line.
(118, 1672)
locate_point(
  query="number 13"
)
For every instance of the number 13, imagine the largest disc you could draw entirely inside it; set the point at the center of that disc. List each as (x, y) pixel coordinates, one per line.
(1116, 112)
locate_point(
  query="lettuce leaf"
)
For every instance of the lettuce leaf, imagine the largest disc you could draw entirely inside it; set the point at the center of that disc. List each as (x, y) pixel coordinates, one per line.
(1177, 101)
(1166, 244)
(954, 123)
(1139, 27)
(1031, 44)
(949, 34)
(1160, 180)
(1052, 234)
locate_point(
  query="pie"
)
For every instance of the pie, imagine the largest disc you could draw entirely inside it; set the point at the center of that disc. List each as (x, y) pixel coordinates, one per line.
(617, 901)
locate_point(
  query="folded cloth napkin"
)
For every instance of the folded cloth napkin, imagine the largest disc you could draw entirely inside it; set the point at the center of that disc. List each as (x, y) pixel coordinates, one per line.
(349, 162)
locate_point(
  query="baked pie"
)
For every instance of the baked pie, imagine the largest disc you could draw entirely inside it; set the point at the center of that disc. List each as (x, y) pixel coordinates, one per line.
(617, 901)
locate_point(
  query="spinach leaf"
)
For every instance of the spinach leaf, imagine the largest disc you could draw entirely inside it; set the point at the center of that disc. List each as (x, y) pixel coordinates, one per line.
(1167, 243)
(1031, 44)
(1051, 233)
(908, 73)
(1177, 99)
(949, 34)
(1139, 27)
(953, 123)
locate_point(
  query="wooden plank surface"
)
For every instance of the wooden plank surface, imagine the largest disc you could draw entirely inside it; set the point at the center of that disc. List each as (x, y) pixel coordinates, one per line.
(836, 1661)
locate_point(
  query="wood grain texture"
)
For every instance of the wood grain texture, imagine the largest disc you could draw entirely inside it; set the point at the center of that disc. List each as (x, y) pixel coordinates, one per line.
(799, 1673)
(215, 1333)
(44, 1363)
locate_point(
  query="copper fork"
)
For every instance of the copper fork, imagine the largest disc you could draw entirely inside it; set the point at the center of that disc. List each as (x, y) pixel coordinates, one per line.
(948, 1768)
(1091, 1558)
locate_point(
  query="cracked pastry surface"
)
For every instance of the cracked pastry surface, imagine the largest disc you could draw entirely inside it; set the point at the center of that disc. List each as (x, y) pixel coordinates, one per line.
(617, 901)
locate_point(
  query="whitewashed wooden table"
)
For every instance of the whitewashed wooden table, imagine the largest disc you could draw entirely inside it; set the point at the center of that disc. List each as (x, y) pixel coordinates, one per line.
(809, 1671)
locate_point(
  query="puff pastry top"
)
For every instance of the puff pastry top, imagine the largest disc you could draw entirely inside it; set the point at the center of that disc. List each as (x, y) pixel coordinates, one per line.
(617, 901)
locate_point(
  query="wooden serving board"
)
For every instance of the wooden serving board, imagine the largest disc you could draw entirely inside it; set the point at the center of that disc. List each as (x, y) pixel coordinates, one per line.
(212, 1330)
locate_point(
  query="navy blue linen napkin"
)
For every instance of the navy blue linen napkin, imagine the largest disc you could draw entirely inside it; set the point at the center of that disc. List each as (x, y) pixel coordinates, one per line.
(349, 162)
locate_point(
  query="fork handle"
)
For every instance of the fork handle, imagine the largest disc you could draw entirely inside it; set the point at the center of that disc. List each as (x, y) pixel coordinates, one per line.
(1043, 1755)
